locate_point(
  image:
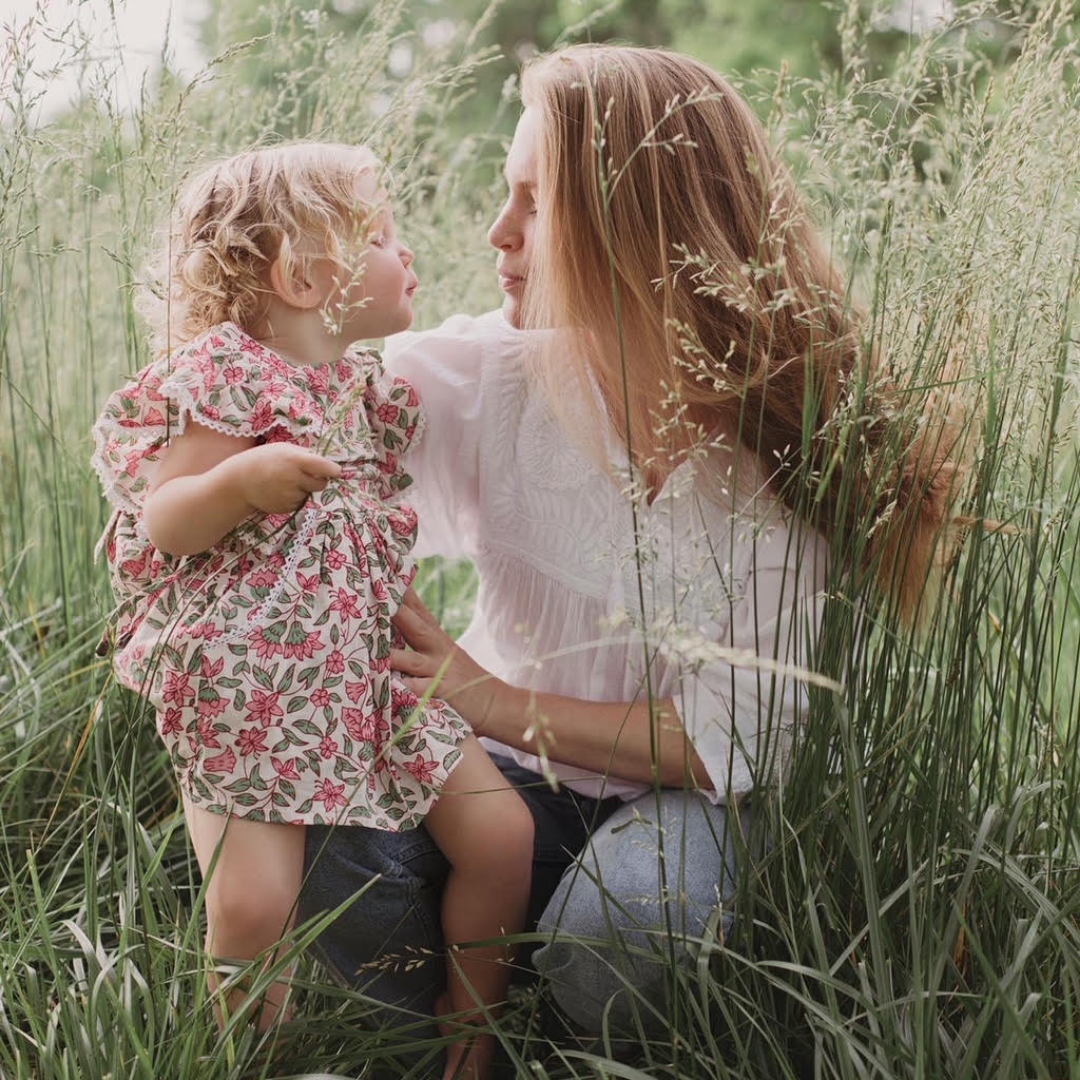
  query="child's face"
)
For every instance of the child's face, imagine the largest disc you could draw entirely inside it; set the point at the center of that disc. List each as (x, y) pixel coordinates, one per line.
(371, 296)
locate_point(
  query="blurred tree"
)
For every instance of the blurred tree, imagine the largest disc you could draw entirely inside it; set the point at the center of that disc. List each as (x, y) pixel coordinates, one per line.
(735, 37)
(732, 36)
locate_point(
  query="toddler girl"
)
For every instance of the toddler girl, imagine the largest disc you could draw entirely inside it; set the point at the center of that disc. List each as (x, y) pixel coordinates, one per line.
(258, 552)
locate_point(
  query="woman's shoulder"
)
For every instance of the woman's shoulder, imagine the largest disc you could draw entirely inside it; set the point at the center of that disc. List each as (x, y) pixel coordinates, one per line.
(468, 372)
(734, 496)
(462, 347)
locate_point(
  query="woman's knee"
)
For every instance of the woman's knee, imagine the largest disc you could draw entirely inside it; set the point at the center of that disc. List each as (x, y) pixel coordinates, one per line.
(656, 867)
(606, 953)
(636, 901)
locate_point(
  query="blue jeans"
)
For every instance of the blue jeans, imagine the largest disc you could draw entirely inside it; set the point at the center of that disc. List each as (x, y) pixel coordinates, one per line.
(596, 891)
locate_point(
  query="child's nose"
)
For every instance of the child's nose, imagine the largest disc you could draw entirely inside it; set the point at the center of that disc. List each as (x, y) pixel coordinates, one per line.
(406, 255)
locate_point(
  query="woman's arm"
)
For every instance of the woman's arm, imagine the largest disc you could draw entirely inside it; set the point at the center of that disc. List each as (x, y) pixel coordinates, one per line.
(208, 482)
(630, 740)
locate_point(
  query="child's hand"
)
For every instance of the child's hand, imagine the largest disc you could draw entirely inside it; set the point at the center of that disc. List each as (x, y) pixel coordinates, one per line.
(277, 478)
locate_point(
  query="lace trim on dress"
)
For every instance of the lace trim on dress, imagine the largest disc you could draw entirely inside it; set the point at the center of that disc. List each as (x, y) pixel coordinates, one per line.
(299, 544)
(108, 429)
(177, 390)
(115, 492)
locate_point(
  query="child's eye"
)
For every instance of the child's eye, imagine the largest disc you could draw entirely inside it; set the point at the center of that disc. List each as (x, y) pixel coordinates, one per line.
(378, 240)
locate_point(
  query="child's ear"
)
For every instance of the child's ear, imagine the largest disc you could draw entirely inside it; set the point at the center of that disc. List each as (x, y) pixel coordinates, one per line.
(296, 285)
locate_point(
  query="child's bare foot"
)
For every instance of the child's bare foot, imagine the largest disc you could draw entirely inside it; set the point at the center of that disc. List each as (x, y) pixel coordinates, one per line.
(470, 1060)
(470, 1057)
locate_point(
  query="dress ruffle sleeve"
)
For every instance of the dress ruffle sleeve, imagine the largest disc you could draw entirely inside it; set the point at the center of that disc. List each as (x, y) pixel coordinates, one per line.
(223, 380)
(396, 421)
(445, 367)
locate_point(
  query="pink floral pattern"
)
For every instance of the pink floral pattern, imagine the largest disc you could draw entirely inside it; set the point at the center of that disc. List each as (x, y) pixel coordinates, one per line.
(267, 657)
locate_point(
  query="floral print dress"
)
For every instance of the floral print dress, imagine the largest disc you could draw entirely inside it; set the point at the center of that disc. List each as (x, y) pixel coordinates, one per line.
(267, 656)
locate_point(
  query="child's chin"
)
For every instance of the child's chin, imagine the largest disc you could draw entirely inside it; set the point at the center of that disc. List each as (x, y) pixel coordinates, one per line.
(390, 326)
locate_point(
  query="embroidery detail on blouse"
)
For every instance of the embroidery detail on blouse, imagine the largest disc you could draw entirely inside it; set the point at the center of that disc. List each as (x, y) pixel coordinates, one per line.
(549, 459)
(567, 530)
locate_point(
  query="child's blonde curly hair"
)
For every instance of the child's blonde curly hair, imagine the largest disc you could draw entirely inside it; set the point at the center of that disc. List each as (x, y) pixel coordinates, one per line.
(235, 217)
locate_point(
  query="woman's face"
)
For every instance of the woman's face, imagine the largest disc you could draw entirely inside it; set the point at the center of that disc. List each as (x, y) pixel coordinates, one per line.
(512, 232)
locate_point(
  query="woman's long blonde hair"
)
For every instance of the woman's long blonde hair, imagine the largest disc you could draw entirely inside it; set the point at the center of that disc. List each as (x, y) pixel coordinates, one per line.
(672, 245)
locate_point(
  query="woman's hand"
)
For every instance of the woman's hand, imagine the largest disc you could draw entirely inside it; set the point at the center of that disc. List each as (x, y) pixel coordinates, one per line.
(474, 692)
(634, 740)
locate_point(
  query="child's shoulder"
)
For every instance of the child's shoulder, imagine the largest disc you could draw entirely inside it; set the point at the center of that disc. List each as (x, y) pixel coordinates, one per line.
(223, 379)
(222, 347)
(365, 359)
(222, 352)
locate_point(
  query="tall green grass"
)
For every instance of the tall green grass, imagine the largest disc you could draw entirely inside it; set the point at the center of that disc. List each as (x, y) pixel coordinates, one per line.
(916, 913)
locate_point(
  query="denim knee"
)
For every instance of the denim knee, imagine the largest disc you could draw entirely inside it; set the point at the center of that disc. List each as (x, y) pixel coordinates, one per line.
(388, 942)
(624, 912)
(590, 978)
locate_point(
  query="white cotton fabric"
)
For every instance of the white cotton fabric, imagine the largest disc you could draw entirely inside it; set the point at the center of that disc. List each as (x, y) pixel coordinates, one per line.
(724, 579)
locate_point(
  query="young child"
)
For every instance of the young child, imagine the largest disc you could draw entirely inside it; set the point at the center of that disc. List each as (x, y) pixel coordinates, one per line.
(258, 553)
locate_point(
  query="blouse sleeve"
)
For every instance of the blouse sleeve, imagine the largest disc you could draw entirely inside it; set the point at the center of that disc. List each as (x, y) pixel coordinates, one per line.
(443, 459)
(747, 688)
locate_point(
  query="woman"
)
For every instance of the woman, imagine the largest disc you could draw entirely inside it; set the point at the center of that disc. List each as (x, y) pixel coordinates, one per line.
(632, 486)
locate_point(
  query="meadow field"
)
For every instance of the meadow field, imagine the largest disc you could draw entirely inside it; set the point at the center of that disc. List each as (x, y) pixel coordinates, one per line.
(917, 913)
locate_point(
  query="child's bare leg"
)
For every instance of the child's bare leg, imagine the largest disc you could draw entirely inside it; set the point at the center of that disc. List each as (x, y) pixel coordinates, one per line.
(486, 833)
(251, 893)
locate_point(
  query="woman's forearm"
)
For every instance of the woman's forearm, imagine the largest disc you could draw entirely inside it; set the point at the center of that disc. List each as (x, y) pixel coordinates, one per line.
(624, 739)
(189, 514)
(627, 740)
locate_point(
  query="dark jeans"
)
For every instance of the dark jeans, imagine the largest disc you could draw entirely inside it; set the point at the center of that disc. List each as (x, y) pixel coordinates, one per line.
(596, 875)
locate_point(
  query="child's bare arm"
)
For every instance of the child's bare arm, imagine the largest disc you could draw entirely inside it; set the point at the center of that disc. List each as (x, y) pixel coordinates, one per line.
(208, 482)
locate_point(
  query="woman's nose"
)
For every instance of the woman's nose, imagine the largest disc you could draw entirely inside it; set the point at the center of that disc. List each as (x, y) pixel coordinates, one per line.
(504, 233)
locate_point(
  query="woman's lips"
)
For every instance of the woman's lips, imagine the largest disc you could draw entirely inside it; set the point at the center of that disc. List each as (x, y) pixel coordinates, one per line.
(509, 281)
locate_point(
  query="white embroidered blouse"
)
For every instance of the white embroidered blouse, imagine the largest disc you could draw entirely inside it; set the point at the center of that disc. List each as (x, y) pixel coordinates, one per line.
(723, 580)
